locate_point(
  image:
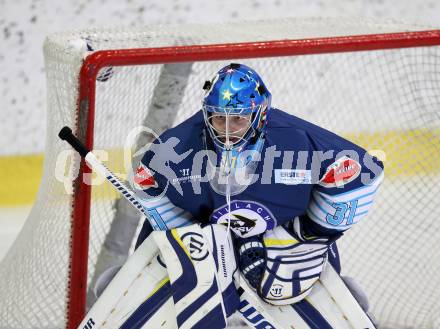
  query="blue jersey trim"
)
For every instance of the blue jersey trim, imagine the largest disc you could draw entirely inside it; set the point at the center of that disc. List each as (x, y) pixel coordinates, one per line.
(188, 280)
(194, 306)
(148, 308)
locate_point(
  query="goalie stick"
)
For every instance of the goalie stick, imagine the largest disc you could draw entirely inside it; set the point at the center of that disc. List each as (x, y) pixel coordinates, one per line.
(256, 313)
(67, 135)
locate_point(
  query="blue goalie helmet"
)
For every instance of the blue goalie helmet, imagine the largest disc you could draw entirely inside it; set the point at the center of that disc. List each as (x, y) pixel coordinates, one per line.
(235, 106)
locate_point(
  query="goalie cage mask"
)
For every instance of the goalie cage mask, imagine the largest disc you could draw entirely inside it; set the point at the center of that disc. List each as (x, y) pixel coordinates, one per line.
(236, 90)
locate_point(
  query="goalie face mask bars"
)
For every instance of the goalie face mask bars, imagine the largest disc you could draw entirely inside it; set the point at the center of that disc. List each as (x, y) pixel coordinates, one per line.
(238, 97)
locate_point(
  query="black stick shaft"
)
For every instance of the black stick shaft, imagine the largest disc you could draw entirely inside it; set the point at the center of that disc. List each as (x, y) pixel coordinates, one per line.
(67, 135)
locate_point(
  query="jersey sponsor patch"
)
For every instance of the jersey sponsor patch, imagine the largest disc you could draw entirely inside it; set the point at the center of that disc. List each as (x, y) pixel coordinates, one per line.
(293, 176)
(342, 171)
(247, 218)
(143, 178)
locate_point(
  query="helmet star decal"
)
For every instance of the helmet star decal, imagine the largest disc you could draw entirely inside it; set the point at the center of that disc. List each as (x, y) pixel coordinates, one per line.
(234, 101)
(227, 95)
(257, 85)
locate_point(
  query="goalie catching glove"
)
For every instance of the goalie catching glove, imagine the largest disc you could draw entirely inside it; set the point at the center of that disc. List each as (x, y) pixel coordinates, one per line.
(283, 264)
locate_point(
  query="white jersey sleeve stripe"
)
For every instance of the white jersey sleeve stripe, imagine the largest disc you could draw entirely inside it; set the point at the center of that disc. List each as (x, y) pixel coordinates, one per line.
(166, 211)
(149, 204)
(361, 213)
(176, 216)
(341, 211)
(365, 204)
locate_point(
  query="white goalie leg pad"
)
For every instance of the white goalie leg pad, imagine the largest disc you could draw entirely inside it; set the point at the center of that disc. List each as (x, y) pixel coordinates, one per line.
(139, 296)
(259, 314)
(344, 298)
(192, 258)
(222, 250)
(329, 305)
(357, 292)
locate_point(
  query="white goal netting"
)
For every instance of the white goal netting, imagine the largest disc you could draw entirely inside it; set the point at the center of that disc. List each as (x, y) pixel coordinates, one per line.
(386, 100)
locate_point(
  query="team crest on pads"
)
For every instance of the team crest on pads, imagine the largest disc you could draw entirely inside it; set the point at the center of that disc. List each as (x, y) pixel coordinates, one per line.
(246, 218)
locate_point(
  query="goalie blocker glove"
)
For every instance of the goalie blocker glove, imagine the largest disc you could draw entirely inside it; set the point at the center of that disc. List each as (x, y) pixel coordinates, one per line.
(283, 264)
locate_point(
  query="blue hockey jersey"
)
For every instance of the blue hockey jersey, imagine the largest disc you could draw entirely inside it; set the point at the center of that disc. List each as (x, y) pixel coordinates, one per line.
(297, 169)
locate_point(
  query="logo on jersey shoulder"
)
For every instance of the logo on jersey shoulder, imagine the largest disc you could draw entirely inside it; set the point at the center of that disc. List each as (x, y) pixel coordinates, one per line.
(184, 172)
(143, 178)
(186, 177)
(342, 171)
(246, 218)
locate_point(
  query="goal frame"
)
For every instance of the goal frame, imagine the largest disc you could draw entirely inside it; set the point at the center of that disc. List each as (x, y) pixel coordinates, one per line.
(80, 220)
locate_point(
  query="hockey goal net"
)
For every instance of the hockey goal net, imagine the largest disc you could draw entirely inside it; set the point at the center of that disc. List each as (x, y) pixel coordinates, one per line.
(378, 84)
